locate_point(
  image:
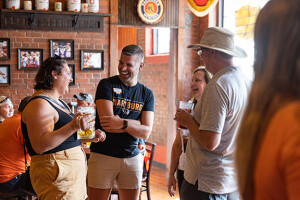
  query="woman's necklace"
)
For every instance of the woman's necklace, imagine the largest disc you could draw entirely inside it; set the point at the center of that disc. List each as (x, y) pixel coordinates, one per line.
(41, 91)
(58, 103)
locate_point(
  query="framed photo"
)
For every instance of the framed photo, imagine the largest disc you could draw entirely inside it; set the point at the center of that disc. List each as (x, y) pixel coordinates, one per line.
(4, 48)
(4, 75)
(72, 69)
(62, 48)
(92, 60)
(30, 59)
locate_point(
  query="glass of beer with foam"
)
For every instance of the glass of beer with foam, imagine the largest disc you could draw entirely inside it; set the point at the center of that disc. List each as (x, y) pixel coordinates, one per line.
(88, 133)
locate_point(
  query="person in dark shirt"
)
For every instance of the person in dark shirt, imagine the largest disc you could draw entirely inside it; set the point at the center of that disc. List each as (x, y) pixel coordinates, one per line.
(58, 168)
(125, 111)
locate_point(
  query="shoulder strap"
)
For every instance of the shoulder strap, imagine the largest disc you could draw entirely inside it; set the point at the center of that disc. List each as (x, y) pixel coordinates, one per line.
(25, 154)
(62, 104)
(65, 105)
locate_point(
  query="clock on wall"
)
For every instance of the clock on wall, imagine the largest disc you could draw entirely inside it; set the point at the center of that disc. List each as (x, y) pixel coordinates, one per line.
(150, 11)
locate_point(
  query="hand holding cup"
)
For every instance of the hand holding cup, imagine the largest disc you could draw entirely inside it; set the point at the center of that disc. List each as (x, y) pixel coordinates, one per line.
(183, 113)
(86, 122)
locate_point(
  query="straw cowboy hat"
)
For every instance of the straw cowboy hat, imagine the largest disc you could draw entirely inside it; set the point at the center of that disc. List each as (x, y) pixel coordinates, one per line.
(220, 39)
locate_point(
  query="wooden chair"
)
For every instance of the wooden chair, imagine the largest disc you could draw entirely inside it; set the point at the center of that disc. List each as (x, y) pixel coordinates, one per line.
(148, 158)
(6, 196)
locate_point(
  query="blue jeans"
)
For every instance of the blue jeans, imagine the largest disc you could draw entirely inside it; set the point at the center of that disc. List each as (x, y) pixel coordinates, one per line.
(191, 192)
(12, 186)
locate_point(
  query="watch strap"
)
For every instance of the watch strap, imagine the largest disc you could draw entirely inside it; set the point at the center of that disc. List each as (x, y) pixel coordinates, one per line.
(125, 124)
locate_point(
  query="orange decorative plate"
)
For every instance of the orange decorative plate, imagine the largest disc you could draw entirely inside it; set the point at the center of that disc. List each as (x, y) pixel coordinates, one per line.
(150, 11)
(201, 7)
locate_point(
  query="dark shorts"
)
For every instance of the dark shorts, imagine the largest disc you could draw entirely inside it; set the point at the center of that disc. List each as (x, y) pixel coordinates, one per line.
(12, 186)
(180, 178)
(191, 192)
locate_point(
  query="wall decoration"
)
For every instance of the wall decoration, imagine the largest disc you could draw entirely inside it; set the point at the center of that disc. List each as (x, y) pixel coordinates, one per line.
(62, 48)
(72, 69)
(4, 75)
(4, 48)
(92, 60)
(150, 11)
(201, 7)
(30, 59)
(245, 18)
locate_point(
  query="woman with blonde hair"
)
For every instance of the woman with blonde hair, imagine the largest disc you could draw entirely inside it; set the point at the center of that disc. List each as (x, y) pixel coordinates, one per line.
(268, 153)
(199, 80)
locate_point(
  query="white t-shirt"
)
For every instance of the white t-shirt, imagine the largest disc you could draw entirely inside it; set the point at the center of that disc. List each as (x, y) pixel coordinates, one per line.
(220, 110)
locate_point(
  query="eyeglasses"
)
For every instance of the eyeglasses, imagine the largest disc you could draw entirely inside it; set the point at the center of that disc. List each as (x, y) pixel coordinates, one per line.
(7, 98)
(200, 51)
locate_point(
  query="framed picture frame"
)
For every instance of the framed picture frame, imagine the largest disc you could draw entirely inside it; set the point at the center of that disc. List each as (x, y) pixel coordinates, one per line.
(4, 48)
(30, 59)
(72, 69)
(4, 75)
(92, 60)
(63, 48)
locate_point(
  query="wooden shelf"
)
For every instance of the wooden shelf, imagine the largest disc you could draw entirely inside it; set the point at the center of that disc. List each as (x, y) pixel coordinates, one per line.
(52, 20)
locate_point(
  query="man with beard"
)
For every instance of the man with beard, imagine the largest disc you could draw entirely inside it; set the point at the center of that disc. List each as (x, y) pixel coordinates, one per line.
(125, 111)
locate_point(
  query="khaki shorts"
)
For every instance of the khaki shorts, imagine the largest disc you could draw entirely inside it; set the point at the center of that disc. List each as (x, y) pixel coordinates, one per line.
(104, 170)
(60, 175)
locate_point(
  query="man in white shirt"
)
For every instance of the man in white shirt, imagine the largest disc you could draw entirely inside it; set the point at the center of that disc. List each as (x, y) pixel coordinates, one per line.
(209, 170)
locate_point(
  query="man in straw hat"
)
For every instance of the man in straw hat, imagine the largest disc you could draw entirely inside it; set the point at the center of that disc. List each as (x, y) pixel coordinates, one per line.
(209, 171)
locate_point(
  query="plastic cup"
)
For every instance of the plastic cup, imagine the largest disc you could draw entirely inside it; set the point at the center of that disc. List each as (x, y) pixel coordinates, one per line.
(187, 106)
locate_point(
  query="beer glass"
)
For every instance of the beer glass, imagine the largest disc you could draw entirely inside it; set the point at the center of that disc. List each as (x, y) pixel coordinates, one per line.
(187, 106)
(88, 133)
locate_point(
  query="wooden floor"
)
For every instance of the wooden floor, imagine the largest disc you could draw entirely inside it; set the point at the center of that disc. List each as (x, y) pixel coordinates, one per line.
(158, 186)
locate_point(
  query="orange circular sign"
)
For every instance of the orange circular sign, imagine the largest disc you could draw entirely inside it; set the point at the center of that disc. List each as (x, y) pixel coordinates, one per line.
(150, 11)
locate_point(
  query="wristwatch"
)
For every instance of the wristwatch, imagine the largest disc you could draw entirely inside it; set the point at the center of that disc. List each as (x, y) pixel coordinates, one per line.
(125, 124)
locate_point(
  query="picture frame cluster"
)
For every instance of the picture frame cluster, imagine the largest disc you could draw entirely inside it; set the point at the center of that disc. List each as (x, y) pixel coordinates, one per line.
(31, 58)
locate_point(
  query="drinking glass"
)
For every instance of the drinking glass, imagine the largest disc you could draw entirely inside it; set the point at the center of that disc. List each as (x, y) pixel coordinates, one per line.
(88, 133)
(187, 106)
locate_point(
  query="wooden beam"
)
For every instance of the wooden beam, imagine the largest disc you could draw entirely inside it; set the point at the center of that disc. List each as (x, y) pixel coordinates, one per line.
(172, 93)
(176, 76)
(114, 57)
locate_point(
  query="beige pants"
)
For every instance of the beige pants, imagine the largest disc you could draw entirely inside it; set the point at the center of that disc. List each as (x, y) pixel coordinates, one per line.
(105, 170)
(60, 175)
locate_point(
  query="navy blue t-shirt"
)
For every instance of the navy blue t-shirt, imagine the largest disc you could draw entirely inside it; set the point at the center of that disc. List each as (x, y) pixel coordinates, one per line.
(128, 103)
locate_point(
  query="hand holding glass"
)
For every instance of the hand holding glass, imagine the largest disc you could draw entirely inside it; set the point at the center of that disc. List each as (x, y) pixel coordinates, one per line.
(87, 133)
(187, 106)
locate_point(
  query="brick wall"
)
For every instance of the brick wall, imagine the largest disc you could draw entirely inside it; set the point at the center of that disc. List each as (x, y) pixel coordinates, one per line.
(86, 81)
(154, 75)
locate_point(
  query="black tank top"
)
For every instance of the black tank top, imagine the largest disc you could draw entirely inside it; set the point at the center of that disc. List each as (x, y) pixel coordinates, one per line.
(64, 118)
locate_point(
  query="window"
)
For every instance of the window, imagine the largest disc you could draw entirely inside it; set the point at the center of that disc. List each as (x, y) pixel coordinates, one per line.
(242, 26)
(161, 40)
